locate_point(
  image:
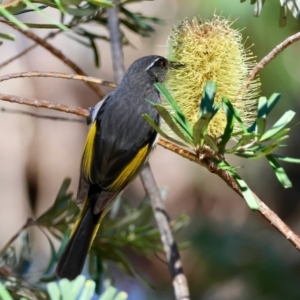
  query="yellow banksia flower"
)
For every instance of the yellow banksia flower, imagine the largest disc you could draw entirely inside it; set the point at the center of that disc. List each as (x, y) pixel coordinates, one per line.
(211, 51)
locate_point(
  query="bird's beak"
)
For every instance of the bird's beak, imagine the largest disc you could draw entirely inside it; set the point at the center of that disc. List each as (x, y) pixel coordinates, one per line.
(176, 64)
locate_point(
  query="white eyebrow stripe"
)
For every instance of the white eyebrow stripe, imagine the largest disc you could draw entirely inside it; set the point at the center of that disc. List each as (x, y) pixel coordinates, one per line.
(151, 65)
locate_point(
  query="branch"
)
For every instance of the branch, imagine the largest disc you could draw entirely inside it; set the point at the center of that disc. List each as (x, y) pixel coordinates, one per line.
(206, 162)
(269, 57)
(60, 55)
(180, 283)
(115, 43)
(264, 210)
(45, 104)
(57, 75)
(39, 116)
(6, 62)
(163, 221)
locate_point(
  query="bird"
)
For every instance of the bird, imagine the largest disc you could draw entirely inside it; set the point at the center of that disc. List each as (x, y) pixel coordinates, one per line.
(118, 143)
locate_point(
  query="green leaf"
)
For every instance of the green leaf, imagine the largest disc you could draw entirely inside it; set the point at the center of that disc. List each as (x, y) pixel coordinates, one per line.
(247, 193)
(272, 101)
(258, 7)
(261, 116)
(278, 126)
(46, 16)
(76, 286)
(53, 291)
(4, 294)
(179, 116)
(16, 8)
(279, 172)
(60, 6)
(88, 290)
(172, 124)
(207, 101)
(64, 286)
(5, 13)
(7, 36)
(287, 159)
(160, 131)
(102, 3)
(109, 293)
(200, 128)
(228, 108)
(211, 143)
(121, 296)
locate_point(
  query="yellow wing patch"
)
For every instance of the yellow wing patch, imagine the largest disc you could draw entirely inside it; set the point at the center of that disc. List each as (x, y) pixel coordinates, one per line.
(130, 170)
(88, 152)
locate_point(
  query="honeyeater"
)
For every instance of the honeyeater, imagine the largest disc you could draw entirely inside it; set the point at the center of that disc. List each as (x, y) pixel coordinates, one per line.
(118, 143)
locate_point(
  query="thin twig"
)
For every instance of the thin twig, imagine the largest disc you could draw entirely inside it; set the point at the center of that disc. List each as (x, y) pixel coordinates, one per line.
(6, 62)
(59, 55)
(58, 75)
(180, 283)
(30, 222)
(39, 116)
(45, 104)
(270, 56)
(36, 25)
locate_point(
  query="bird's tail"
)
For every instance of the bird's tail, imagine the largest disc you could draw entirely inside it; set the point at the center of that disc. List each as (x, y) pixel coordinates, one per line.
(83, 233)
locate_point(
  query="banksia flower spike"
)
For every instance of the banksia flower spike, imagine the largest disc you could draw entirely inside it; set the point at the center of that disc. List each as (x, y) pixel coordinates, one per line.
(211, 51)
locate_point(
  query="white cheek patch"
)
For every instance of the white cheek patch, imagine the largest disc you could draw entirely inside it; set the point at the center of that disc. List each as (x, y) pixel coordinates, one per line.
(152, 64)
(156, 140)
(97, 108)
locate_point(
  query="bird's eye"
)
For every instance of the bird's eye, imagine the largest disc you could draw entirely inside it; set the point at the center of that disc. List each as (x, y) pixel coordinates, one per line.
(163, 63)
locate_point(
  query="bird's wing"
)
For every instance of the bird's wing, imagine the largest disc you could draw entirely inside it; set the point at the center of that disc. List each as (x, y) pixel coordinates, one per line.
(115, 150)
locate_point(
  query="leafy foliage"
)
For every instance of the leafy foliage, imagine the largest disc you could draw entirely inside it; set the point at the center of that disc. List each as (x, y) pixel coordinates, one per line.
(132, 230)
(285, 5)
(253, 142)
(79, 288)
(92, 11)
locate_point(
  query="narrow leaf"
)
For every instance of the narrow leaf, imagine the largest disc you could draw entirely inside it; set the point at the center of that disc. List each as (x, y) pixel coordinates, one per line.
(161, 132)
(4, 294)
(7, 36)
(179, 115)
(102, 3)
(5, 13)
(200, 127)
(207, 101)
(88, 290)
(121, 296)
(211, 143)
(46, 16)
(170, 121)
(287, 159)
(77, 285)
(229, 125)
(272, 101)
(279, 172)
(278, 126)
(108, 294)
(247, 193)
